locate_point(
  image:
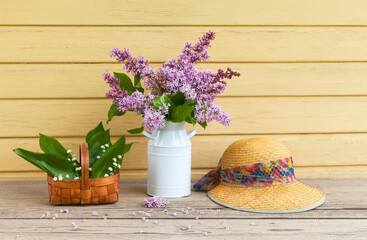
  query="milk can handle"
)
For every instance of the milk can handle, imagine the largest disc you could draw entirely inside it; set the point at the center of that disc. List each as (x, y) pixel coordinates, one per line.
(191, 133)
(149, 135)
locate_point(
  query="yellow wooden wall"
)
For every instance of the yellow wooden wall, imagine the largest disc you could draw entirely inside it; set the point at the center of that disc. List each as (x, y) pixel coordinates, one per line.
(303, 82)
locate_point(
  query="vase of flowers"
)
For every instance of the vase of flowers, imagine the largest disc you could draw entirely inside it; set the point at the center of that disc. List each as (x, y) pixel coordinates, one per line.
(169, 160)
(172, 96)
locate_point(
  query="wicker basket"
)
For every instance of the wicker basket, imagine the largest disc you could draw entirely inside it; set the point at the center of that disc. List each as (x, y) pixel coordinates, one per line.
(84, 191)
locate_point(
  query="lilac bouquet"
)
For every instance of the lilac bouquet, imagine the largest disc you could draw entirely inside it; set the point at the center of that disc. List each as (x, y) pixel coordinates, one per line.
(177, 91)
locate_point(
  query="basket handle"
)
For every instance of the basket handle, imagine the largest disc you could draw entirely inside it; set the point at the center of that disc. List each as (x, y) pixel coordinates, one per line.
(85, 192)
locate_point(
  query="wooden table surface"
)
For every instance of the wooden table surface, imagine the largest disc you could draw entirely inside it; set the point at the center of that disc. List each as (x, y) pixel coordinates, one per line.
(343, 216)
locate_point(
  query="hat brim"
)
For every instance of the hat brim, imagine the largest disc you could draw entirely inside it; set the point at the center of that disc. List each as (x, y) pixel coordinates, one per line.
(286, 198)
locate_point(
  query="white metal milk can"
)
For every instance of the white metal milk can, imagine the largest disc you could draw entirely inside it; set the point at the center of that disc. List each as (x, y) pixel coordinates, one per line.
(169, 161)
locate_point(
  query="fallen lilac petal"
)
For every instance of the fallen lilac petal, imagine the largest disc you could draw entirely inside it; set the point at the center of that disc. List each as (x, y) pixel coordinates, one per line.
(53, 218)
(133, 214)
(148, 215)
(156, 222)
(48, 214)
(84, 220)
(141, 232)
(165, 210)
(184, 228)
(200, 223)
(94, 213)
(205, 234)
(56, 215)
(43, 216)
(197, 217)
(219, 210)
(224, 223)
(155, 202)
(143, 219)
(105, 217)
(141, 212)
(253, 224)
(314, 220)
(201, 211)
(151, 210)
(226, 228)
(173, 214)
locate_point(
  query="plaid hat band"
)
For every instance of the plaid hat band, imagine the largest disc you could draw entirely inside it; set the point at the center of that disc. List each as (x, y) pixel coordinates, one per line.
(256, 175)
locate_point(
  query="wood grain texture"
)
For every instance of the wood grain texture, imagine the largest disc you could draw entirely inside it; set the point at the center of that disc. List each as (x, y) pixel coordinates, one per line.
(157, 44)
(256, 115)
(325, 172)
(167, 228)
(288, 79)
(166, 12)
(307, 150)
(341, 217)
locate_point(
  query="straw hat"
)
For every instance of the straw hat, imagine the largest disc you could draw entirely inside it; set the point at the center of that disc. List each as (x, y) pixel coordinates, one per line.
(256, 175)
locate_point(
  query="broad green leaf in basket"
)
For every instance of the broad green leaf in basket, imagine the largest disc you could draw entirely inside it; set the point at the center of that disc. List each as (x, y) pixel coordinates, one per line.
(98, 145)
(52, 164)
(103, 166)
(51, 145)
(94, 131)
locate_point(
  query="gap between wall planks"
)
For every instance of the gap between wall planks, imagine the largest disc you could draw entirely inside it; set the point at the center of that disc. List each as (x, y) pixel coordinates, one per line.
(300, 172)
(307, 150)
(190, 12)
(250, 116)
(267, 79)
(157, 44)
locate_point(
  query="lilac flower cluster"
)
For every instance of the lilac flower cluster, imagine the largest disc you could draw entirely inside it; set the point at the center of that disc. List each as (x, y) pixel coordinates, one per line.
(155, 202)
(175, 75)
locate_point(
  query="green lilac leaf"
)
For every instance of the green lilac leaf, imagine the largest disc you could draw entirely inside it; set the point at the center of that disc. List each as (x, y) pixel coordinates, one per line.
(177, 98)
(160, 101)
(136, 130)
(125, 82)
(137, 83)
(180, 113)
(51, 145)
(114, 112)
(204, 124)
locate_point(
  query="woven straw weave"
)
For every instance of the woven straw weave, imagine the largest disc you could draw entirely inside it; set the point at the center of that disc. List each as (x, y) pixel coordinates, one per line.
(291, 197)
(84, 191)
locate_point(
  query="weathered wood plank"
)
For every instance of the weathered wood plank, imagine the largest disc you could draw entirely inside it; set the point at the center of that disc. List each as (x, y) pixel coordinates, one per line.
(196, 173)
(59, 80)
(165, 12)
(168, 229)
(157, 44)
(340, 203)
(256, 115)
(307, 150)
(343, 215)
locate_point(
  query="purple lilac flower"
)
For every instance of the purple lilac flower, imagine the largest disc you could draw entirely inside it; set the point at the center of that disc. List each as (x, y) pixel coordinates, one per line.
(175, 75)
(155, 202)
